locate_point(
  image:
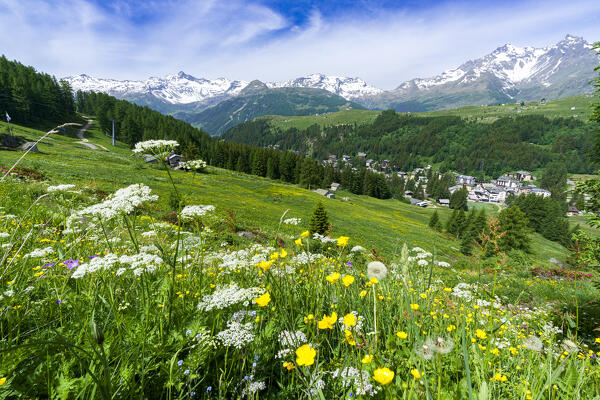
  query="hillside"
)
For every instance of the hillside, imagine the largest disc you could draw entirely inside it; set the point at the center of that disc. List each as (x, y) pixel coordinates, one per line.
(552, 109)
(480, 141)
(257, 100)
(257, 203)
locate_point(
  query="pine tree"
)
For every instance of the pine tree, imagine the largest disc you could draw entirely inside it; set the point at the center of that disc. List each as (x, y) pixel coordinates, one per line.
(514, 223)
(468, 241)
(458, 199)
(319, 222)
(434, 221)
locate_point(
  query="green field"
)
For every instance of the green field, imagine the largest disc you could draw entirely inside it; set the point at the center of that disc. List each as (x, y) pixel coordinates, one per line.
(257, 203)
(552, 109)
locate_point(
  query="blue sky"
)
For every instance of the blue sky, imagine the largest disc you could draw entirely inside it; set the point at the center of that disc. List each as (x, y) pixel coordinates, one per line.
(384, 42)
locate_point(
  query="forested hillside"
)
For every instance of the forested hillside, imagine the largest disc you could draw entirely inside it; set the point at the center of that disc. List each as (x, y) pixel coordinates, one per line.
(30, 97)
(452, 143)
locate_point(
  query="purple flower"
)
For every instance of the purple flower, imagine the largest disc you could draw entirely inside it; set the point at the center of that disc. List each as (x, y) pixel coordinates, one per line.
(349, 264)
(58, 301)
(71, 263)
(93, 256)
(49, 265)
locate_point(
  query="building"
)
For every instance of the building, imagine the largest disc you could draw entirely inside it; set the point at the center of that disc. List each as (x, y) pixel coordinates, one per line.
(335, 186)
(419, 203)
(522, 176)
(465, 180)
(174, 160)
(444, 202)
(507, 183)
(573, 211)
(326, 193)
(541, 192)
(362, 155)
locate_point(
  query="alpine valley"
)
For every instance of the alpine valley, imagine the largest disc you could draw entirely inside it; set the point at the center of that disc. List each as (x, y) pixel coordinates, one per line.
(507, 74)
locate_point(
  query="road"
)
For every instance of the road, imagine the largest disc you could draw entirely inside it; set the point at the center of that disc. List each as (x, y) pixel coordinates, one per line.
(86, 142)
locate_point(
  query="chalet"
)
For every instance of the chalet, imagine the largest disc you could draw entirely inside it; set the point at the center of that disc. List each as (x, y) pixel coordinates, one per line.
(401, 174)
(497, 195)
(523, 176)
(465, 180)
(408, 193)
(418, 203)
(453, 189)
(335, 186)
(444, 202)
(326, 193)
(346, 158)
(385, 164)
(362, 155)
(174, 160)
(151, 159)
(507, 183)
(573, 211)
(370, 163)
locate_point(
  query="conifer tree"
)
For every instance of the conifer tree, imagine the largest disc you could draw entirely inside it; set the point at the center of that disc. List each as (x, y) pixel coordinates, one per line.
(319, 222)
(513, 222)
(434, 221)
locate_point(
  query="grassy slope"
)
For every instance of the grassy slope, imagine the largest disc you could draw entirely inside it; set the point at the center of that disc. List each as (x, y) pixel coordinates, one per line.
(555, 108)
(257, 202)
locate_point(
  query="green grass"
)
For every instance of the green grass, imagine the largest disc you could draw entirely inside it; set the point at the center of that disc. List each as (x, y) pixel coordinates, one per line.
(383, 225)
(552, 109)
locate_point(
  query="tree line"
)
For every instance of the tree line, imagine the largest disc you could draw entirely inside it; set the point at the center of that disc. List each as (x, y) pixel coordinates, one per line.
(471, 147)
(32, 98)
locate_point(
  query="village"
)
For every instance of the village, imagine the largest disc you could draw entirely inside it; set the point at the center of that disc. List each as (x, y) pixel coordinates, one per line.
(495, 191)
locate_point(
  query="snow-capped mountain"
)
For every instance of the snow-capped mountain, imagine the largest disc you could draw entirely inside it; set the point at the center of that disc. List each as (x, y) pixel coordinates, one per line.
(348, 88)
(508, 73)
(174, 89)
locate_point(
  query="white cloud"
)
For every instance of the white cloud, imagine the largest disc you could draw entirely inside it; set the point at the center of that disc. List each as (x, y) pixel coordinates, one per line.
(238, 40)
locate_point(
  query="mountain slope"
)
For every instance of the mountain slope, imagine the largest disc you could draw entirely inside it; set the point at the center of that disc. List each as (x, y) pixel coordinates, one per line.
(509, 73)
(257, 100)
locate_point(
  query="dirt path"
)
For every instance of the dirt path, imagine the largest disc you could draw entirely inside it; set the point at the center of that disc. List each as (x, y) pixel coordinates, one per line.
(85, 141)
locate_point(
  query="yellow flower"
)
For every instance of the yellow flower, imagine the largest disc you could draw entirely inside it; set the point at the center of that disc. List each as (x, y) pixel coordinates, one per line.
(363, 293)
(447, 289)
(2, 380)
(450, 328)
(265, 265)
(367, 359)
(383, 376)
(595, 341)
(348, 280)
(309, 318)
(414, 307)
(349, 337)
(38, 274)
(415, 373)
(374, 281)
(298, 242)
(11, 282)
(274, 256)
(288, 365)
(401, 334)
(513, 351)
(423, 295)
(263, 300)
(495, 352)
(327, 322)
(500, 378)
(342, 241)
(333, 278)
(480, 334)
(283, 253)
(305, 355)
(350, 320)
(305, 234)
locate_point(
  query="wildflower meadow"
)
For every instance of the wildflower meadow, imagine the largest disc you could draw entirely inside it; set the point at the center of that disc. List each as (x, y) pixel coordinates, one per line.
(101, 299)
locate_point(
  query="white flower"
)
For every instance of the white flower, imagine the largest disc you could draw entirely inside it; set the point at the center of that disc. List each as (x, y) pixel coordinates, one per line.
(442, 345)
(4, 235)
(376, 269)
(148, 234)
(292, 221)
(9, 293)
(123, 201)
(292, 339)
(357, 379)
(443, 264)
(194, 165)
(156, 147)
(95, 264)
(357, 249)
(323, 239)
(227, 296)
(254, 387)
(60, 188)
(190, 212)
(40, 253)
(425, 350)
(422, 263)
(237, 334)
